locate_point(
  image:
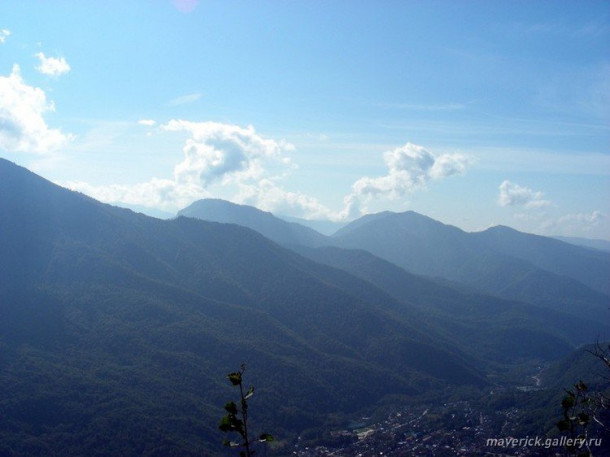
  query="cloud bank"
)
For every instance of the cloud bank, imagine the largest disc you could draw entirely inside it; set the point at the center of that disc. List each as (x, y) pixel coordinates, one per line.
(573, 224)
(214, 154)
(165, 194)
(512, 194)
(218, 155)
(22, 124)
(269, 196)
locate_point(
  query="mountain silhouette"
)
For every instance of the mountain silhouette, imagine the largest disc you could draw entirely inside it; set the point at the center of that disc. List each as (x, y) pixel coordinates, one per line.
(113, 323)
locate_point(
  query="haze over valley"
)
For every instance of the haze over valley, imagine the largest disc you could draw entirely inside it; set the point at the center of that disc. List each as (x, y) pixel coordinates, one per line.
(113, 320)
(304, 228)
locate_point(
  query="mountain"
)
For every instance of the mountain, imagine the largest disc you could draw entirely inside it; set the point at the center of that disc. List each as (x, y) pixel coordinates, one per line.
(543, 407)
(265, 223)
(414, 290)
(117, 330)
(326, 227)
(410, 240)
(516, 271)
(589, 267)
(493, 328)
(602, 245)
(482, 270)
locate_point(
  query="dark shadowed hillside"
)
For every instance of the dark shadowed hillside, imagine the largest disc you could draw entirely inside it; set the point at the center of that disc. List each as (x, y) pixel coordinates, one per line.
(497, 329)
(117, 330)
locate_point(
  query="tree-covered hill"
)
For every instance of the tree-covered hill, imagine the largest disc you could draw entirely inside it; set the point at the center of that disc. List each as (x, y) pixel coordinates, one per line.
(492, 328)
(117, 329)
(500, 261)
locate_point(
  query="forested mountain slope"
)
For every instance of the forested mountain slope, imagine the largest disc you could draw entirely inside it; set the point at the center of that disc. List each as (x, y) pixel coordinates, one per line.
(514, 266)
(117, 329)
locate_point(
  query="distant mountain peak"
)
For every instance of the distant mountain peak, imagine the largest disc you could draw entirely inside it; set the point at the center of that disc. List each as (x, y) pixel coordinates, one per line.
(270, 226)
(220, 203)
(500, 229)
(411, 221)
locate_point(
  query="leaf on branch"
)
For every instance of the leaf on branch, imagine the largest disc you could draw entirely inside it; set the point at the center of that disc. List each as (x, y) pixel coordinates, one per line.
(230, 423)
(266, 437)
(235, 378)
(249, 393)
(225, 424)
(231, 407)
(230, 443)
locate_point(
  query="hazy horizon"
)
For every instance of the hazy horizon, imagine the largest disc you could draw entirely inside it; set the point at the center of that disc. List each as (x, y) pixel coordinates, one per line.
(475, 114)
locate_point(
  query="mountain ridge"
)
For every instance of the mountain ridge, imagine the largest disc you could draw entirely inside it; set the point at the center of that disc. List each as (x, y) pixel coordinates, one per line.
(427, 247)
(499, 261)
(266, 223)
(107, 312)
(113, 322)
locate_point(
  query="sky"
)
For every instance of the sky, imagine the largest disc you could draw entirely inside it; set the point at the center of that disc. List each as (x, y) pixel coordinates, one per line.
(474, 113)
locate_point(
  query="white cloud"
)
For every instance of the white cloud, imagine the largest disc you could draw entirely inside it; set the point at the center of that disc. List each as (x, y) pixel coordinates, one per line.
(268, 196)
(592, 218)
(185, 99)
(410, 168)
(147, 122)
(164, 194)
(223, 152)
(512, 194)
(4, 34)
(214, 153)
(22, 125)
(577, 224)
(52, 66)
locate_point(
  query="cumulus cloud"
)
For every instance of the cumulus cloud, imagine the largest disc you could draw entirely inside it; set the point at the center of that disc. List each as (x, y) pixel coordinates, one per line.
(4, 34)
(214, 153)
(52, 66)
(22, 125)
(147, 122)
(512, 194)
(410, 168)
(223, 152)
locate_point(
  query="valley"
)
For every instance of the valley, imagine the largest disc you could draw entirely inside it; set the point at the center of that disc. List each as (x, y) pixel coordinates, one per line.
(120, 328)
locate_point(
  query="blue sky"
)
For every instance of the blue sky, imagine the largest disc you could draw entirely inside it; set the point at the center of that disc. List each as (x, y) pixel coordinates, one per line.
(475, 113)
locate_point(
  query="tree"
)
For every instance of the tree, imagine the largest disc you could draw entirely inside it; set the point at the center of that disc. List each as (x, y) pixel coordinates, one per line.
(582, 409)
(236, 419)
